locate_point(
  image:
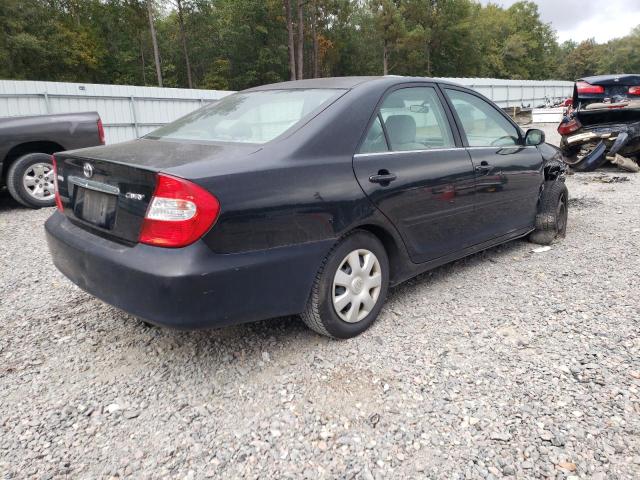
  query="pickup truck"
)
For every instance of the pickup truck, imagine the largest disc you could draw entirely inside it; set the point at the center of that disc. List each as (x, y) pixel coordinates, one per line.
(26, 146)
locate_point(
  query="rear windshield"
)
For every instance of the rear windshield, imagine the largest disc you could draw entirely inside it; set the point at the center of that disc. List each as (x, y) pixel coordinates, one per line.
(251, 117)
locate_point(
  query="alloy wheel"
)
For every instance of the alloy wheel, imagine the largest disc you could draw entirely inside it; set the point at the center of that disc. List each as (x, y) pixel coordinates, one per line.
(38, 181)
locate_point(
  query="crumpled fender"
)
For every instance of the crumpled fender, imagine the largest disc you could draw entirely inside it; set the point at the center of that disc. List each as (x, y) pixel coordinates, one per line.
(621, 141)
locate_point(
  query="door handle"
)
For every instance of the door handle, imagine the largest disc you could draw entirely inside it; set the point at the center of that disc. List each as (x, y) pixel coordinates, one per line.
(484, 167)
(384, 177)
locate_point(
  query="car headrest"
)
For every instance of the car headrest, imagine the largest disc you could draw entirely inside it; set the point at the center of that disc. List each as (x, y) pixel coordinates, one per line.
(394, 101)
(401, 129)
(465, 113)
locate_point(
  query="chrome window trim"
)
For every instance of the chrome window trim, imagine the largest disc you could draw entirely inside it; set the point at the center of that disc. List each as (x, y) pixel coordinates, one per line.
(396, 152)
(500, 146)
(93, 185)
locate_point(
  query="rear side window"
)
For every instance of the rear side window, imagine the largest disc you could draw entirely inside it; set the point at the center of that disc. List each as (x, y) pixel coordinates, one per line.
(250, 117)
(375, 140)
(483, 125)
(415, 120)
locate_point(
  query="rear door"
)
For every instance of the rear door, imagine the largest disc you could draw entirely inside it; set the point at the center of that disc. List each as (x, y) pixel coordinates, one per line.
(412, 165)
(508, 174)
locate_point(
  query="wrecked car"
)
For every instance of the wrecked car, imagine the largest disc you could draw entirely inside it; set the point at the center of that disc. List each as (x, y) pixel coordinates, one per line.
(302, 198)
(603, 123)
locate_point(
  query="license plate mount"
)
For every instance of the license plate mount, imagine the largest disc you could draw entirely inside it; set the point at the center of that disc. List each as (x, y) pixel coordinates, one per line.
(96, 208)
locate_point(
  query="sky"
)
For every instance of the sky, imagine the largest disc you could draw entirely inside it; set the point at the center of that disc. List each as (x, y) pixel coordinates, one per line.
(583, 19)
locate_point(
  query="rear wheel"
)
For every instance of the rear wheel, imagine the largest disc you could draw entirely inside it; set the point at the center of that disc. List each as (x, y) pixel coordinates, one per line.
(350, 288)
(553, 213)
(30, 180)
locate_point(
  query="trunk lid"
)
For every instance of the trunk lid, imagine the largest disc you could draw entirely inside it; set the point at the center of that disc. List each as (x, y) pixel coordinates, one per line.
(108, 189)
(607, 116)
(108, 198)
(616, 89)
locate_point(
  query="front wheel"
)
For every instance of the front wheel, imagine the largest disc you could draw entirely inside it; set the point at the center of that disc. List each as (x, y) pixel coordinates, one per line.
(350, 288)
(30, 180)
(553, 213)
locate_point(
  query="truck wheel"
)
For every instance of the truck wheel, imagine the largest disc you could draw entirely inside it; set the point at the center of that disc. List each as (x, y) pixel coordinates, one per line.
(350, 288)
(30, 180)
(553, 212)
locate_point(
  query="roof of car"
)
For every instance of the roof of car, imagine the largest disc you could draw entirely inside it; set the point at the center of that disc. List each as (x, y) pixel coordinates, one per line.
(341, 82)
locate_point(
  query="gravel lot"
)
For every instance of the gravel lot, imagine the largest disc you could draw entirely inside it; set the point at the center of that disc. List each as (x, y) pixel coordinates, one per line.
(506, 364)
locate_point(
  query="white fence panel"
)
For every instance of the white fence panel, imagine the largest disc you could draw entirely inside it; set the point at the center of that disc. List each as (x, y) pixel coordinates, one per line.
(127, 112)
(519, 93)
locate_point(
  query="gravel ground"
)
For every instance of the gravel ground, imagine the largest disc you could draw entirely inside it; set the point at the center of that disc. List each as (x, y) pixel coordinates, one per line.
(508, 364)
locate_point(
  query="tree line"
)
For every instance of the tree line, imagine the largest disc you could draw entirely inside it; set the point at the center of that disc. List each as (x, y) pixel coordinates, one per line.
(235, 44)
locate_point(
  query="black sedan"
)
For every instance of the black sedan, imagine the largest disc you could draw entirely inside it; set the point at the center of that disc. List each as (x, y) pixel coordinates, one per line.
(308, 197)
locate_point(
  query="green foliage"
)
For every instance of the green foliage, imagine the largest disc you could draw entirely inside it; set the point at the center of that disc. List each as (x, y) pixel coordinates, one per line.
(235, 44)
(581, 60)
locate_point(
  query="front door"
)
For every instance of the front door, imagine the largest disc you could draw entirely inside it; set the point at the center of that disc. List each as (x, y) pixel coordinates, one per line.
(508, 173)
(412, 166)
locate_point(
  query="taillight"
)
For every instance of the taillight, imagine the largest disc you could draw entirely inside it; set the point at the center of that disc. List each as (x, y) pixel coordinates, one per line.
(179, 213)
(101, 132)
(634, 90)
(55, 184)
(569, 126)
(584, 87)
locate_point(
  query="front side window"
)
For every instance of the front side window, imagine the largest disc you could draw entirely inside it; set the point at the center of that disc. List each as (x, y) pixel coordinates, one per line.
(483, 125)
(251, 117)
(415, 120)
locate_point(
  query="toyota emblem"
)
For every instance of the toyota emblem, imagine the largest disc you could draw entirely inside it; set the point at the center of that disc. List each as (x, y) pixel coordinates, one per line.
(88, 170)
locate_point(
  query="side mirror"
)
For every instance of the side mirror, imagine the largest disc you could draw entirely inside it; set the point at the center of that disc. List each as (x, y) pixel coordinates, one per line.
(534, 137)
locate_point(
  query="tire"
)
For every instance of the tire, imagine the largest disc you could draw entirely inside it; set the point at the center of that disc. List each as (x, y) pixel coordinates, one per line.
(321, 314)
(553, 212)
(32, 169)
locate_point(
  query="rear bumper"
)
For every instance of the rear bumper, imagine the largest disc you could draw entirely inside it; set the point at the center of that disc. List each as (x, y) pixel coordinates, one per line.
(607, 133)
(186, 288)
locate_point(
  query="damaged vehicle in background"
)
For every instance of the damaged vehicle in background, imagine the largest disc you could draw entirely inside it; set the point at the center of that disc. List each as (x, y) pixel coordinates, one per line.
(603, 123)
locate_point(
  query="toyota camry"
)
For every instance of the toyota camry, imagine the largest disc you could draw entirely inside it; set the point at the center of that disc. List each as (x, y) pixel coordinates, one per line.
(306, 198)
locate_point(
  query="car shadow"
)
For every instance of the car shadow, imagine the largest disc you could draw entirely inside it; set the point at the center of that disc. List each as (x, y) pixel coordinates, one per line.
(7, 203)
(493, 254)
(290, 333)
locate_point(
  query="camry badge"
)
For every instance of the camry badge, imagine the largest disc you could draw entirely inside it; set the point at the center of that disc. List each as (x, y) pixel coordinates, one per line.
(134, 196)
(87, 170)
